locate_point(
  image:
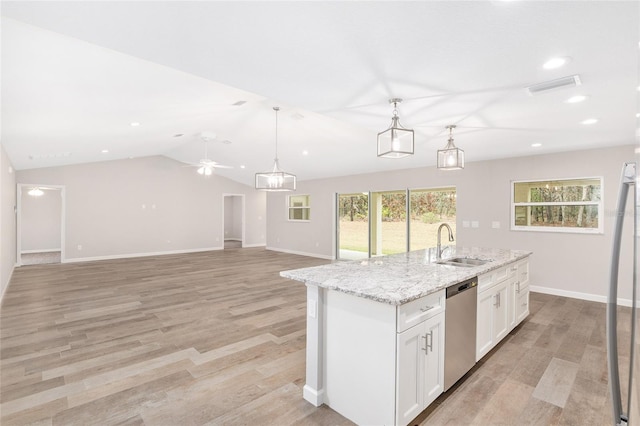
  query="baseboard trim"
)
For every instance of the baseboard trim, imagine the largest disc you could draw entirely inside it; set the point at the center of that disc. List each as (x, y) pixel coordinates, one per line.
(131, 255)
(6, 285)
(253, 245)
(577, 295)
(301, 253)
(233, 239)
(40, 251)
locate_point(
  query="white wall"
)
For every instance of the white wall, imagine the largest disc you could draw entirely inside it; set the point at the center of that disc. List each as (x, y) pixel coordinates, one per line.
(144, 206)
(40, 220)
(7, 220)
(570, 264)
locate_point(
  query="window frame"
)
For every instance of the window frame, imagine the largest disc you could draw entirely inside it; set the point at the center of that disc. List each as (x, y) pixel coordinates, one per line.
(290, 207)
(558, 229)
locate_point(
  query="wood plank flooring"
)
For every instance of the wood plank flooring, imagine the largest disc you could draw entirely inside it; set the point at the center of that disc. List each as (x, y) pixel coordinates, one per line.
(218, 338)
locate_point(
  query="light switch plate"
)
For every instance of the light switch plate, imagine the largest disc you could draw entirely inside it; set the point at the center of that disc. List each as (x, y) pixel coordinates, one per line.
(495, 224)
(475, 224)
(465, 223)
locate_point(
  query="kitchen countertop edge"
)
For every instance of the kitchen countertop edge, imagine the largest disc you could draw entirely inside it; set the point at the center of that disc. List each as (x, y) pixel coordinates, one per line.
(394, 271)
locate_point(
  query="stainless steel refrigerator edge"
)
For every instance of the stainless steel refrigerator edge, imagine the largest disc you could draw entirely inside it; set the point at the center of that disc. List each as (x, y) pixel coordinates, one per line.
(622, 410)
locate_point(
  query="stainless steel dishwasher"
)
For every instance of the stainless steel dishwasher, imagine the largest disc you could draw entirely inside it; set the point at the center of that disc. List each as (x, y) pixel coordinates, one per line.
(460, 330)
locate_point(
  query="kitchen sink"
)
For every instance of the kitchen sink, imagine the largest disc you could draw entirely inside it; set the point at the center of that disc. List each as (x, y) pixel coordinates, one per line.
(462, 261)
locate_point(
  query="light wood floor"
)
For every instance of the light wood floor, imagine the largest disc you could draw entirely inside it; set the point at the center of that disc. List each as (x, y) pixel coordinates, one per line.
(219, 338)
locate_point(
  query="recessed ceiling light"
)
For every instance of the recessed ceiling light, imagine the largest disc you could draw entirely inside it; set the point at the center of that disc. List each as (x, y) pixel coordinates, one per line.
(134, 124)
(105, 151)
(242, 166)
(576, 99)
(305, 152)
(637, 114)
(557, 62)
(590, 121)
(536, 145)
(177, 135)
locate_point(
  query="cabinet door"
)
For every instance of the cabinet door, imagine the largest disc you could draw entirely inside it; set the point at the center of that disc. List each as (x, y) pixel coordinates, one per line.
(523, 273)
(410, 365)
(434, 359)
(500, 313)
(513, 291)
(522, 305)
(484, 321)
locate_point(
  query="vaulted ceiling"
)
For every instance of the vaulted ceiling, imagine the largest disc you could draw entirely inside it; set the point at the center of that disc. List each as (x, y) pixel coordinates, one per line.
(75, 75)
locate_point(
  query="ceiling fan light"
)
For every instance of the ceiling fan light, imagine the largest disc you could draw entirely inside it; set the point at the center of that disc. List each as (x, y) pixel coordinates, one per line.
(36, 192)
(205, 171)
(451, 157)
(396, 141)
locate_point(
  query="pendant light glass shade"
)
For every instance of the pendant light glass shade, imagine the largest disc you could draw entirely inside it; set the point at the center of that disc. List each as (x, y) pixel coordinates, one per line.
(396, 141)
(276, 179)
(451, 157)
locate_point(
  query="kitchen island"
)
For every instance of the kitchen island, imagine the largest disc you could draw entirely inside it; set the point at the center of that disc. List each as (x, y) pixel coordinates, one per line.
(375, 327)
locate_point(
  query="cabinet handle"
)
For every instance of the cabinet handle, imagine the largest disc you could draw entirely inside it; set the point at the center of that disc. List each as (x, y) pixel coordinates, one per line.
(428, 342)
(497, 301)
(427, 308)
(518, 289)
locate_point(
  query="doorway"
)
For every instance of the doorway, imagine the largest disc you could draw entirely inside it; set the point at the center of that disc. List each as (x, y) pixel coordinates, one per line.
(40, 224)
(233, 221)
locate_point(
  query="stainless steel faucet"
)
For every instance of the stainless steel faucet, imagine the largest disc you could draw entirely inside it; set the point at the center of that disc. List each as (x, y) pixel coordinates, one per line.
(439, 246)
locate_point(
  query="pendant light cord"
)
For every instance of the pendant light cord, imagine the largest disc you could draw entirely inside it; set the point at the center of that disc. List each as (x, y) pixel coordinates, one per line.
(276, 109)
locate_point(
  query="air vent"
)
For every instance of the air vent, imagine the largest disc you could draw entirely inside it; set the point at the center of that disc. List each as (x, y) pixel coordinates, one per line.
(49, 156)
(560, 83)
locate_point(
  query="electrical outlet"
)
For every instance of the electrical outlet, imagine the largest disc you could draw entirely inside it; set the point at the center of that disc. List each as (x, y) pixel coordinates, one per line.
(79, 247)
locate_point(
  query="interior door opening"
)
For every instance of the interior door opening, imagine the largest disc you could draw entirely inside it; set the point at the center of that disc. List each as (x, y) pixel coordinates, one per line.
(40, 224)
(233, 221)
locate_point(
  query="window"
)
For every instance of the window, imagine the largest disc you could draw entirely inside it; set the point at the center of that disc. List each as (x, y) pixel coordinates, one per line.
(566, 205)
(299, 208)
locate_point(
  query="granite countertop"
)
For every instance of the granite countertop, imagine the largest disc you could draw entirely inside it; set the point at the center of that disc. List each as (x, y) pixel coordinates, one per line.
(400, 278)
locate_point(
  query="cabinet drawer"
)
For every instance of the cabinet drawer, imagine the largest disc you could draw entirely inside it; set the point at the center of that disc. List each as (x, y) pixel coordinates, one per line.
(415, 312)
(488, 280)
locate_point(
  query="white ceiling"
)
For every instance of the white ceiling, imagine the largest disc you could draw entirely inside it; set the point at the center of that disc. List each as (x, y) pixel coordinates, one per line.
(76, 74)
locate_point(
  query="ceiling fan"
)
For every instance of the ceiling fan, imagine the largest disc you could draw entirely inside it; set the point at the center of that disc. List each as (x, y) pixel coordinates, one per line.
(206, 165)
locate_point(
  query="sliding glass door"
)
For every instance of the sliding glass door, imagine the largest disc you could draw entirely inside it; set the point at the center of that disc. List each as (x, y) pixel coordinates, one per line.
(389, 222)
(353, 226)
(428, 208)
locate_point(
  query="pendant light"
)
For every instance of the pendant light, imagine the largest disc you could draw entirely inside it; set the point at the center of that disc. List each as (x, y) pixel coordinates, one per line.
(450, 158)
(276, 179)
(396, 141)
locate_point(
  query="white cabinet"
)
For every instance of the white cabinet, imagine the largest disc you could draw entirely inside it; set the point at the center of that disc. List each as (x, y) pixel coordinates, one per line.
(420, 367)
(492, 318)
(383, 364)
(503, 302)
(522, 291)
